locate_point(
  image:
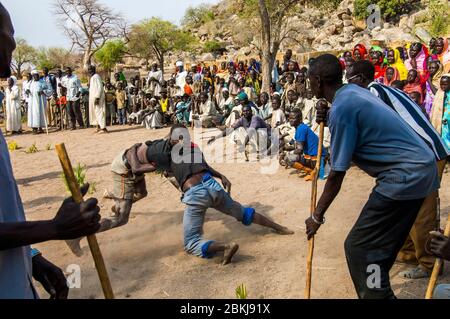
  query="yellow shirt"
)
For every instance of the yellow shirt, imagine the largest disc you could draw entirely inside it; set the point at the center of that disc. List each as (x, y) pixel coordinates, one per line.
(121, 99)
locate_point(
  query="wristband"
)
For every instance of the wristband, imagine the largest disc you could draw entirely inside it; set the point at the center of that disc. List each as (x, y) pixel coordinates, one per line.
(35, 252)
(316, 221)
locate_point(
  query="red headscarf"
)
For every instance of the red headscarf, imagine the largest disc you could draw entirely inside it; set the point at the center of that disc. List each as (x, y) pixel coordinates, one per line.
(362, 50)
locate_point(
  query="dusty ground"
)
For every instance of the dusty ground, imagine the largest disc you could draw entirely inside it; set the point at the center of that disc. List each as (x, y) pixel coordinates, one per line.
(145, 258)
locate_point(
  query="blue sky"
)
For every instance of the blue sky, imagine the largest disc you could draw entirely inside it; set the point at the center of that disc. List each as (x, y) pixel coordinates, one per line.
(33, 19)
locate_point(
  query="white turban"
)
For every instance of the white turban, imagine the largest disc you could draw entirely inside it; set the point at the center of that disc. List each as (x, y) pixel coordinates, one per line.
(179, 63)
(14, 79)
(34, 72)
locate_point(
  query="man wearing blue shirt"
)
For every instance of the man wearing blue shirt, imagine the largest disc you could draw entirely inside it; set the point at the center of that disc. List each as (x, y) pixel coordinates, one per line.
(366, 132)
(303, 155)
(18, 263)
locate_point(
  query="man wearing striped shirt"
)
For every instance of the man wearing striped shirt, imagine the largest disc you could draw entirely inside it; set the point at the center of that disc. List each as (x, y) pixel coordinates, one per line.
(362, 74)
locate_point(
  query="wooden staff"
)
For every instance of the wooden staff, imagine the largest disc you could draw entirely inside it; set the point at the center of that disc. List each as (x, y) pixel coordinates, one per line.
(313, 208)
(437, 267)
(92, 239)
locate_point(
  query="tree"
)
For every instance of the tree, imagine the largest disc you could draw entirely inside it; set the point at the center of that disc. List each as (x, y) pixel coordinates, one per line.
(196, 16)
(88, 24)
(389, 8)
(54, 57)
(23, 55)
(156, 37)
(110, 54)
(271, 18)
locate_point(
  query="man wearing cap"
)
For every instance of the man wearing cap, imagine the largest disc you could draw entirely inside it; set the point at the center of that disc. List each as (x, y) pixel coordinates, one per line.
(38, 92)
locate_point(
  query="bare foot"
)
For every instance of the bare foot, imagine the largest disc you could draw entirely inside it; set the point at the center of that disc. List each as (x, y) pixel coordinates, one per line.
(229, 252)
(285, 231)
(75, 247)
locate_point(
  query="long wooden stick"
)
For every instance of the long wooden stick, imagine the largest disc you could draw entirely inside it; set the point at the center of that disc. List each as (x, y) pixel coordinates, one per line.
(92, 239)
(309, 259)
(437, 267)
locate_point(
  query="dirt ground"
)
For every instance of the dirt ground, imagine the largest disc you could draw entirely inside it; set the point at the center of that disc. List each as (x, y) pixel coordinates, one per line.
(145, 258)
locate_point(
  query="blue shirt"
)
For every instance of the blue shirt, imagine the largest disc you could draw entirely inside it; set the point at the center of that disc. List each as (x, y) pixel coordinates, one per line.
(15, 264)
(305, 135)
(367, 132)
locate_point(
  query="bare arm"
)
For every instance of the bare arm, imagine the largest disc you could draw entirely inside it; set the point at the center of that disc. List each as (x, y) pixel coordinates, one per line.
(13, 235)
(72, 221)
(332, 188)
(136, 166)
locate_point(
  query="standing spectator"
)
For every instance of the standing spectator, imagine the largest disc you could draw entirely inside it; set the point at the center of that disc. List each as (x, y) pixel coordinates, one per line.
(51, 83)
(73, 93)
(110, 99)
(121, 100)
(97, 107)
(38, 93)
(154, 80)
(13, 112)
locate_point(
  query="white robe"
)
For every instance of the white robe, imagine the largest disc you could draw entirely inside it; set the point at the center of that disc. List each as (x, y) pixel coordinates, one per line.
(37, 104)
(13, 111)
(155, 88)
(153, 121)
(26, 86)
(97, 113)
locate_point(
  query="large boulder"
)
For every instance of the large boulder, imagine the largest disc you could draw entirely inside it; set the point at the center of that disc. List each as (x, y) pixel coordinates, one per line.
(330, 30)
(347, 23)
(349, 30)
(208, 57)
(422, 34)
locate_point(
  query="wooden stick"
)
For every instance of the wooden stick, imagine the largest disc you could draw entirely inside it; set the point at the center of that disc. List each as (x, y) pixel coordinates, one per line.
(437, 267)
(92, 239)
(309, 259)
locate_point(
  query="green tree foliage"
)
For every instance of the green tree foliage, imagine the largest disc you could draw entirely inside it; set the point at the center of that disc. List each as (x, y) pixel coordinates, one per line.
(212, 46)
(23, 54)
(196, 16)
(155, 38)
(110, 54)
(389, 8)
(53, 58)
(440, 24)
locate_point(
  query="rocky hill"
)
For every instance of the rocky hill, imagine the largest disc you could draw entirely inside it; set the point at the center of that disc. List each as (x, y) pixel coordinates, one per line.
(318, 29)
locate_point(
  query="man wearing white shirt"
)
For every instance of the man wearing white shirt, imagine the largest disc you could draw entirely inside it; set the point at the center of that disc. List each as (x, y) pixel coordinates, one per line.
(73, 86)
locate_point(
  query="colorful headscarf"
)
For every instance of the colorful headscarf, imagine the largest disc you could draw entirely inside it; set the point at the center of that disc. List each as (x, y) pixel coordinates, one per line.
(416, 86)
(437, 112)
(380, 67)
(396, 76)
(399, 65)
(444, 57)
(437, 77)
(421, 61)
(362, 50)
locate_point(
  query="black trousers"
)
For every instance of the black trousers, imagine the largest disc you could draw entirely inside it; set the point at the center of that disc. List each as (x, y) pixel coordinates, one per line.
(374, 242)
(74, 111)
